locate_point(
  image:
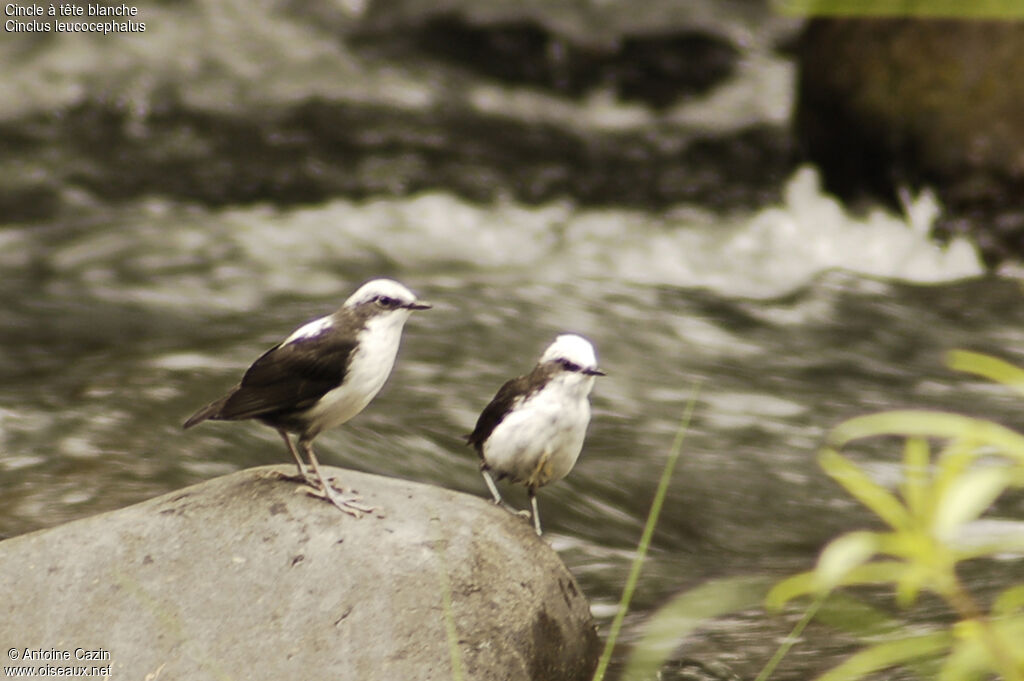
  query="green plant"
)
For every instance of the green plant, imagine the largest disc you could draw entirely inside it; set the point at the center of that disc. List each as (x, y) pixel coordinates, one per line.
(976, 9)
(919, 550)
(925, 539)
(645, 537)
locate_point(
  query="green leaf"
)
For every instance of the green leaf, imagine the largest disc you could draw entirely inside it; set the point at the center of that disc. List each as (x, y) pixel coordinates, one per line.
(988, 367)
(922, 423)
(878, 572)
(985, 649)
(665, 629)
(923, 9)
(916, 458)
(909, 585)
(792, 587)
(968, 660)
(884, 504)
(909, 546)
(955, 459)
(889, 654)
(1009, 601)
(846, 613)
(968, 497)
(843, 555)
(1010, 630)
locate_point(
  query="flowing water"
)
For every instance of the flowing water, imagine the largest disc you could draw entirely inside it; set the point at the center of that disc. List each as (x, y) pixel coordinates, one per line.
(790, 316)
(114, 333)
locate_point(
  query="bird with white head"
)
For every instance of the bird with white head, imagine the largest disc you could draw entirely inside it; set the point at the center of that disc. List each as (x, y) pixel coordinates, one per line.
(323, 374)
(532, 432)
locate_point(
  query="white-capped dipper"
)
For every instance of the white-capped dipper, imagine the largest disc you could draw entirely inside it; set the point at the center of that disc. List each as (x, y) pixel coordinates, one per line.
(532, 431)
(322, 375)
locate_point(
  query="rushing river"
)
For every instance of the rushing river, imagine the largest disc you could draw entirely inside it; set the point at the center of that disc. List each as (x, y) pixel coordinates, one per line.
(791, 316)
(114, 333)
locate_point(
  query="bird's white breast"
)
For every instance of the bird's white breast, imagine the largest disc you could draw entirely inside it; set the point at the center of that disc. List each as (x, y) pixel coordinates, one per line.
(539, 441)
(368, 370)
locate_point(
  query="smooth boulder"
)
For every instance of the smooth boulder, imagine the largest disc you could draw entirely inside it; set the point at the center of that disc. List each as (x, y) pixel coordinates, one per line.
(886, 103)
(247, 577)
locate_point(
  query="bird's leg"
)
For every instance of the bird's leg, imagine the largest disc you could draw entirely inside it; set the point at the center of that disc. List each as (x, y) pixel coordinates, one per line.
(348, 505)
(303, 475)
(498, 501)
(491, 486)
(536, 512)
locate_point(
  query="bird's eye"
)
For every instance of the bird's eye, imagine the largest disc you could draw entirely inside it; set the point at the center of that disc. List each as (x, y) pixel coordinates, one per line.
(387, 301)
(569, 366)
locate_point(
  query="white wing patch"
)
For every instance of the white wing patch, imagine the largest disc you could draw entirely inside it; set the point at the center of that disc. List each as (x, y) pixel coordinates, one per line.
(310, 330)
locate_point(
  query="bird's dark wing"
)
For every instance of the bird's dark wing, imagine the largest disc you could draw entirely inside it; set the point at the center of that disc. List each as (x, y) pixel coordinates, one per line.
(516, 389)
(290, 377)
(504, 401)
(496, 411)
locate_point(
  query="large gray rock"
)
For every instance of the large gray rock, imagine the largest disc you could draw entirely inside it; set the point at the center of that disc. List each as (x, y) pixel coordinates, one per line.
(246, 577)
(887, 102)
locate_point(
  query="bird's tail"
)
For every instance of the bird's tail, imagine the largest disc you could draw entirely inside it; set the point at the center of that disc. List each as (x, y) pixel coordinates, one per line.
(210, 411)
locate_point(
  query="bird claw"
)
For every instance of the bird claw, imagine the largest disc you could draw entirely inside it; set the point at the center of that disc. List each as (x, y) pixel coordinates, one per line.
(501, 503)
(345, 504)
(524, 514)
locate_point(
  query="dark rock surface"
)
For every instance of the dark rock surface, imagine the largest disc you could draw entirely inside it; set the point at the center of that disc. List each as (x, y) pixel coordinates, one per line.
(522, 100)
(656, 68)
(890, 102)
(247, 577)
(321, 149)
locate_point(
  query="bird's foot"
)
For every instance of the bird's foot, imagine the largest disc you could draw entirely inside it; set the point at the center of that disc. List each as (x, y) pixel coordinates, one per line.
(524, 514)
(345, 503)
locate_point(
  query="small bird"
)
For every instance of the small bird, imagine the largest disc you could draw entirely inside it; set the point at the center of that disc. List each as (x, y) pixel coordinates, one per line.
(322, 375)
(532, 431)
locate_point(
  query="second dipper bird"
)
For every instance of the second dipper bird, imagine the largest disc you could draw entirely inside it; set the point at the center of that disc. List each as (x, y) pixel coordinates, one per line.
(322, 375)
(532, 431)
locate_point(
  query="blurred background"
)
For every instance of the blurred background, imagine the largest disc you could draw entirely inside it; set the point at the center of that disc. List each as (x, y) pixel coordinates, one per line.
(802, 216)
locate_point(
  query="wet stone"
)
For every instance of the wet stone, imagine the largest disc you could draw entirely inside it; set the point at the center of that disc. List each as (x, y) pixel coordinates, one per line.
(246, 576)
(658, 69)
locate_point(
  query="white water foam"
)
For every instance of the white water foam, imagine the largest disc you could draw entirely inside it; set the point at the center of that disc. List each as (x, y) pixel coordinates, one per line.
(160, 253)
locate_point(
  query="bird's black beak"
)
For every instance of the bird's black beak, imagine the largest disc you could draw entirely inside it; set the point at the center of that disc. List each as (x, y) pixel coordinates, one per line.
(419, 305)
(594, 372)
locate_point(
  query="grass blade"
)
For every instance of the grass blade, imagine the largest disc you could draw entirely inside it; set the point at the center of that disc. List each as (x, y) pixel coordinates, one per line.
(791, 640)
(450, 629)
(645, 537)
